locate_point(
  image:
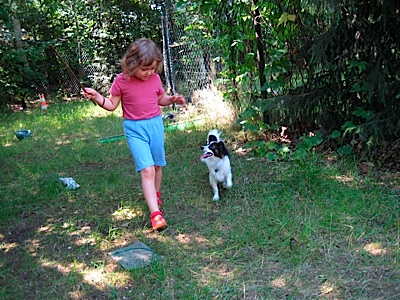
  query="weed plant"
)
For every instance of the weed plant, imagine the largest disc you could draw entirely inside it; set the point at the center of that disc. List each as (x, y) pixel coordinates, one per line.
(317, 230)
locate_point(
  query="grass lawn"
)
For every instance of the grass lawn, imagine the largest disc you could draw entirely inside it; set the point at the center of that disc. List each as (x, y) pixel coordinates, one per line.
(319, 230)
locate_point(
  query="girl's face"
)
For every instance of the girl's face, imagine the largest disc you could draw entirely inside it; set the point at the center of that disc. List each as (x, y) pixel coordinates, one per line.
(144, 72)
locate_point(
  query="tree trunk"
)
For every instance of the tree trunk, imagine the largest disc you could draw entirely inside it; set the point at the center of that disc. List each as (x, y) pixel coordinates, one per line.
(260, 54)
(19, 46)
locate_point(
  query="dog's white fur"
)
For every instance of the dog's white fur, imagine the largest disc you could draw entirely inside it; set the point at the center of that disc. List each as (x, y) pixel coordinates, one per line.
(216, 157)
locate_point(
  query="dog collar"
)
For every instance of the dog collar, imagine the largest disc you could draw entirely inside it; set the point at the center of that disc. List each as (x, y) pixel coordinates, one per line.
(216, 170)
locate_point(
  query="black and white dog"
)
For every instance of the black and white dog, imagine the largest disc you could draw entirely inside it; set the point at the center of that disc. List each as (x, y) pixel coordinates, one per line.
(217, 159)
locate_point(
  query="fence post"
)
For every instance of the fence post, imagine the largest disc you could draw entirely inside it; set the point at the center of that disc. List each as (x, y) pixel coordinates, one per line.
(168, 64)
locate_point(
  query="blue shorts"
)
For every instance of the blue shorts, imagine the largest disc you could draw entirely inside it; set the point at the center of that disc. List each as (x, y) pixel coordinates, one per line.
(146, 142)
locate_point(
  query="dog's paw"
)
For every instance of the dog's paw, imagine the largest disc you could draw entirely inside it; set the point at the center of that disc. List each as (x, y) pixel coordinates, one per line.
(216, 198)
(228, 185)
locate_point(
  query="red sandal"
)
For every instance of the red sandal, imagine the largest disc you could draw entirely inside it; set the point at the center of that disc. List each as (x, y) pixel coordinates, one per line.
(157, 220)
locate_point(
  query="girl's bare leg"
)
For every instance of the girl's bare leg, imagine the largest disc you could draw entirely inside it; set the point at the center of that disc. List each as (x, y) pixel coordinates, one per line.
(149, 180)
(158, 177)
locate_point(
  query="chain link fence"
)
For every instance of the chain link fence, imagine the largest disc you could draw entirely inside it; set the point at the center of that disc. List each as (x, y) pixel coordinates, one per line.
(90, 73)
(189, 61)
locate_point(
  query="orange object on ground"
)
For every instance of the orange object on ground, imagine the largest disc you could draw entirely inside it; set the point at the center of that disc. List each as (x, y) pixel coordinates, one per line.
(43, 104)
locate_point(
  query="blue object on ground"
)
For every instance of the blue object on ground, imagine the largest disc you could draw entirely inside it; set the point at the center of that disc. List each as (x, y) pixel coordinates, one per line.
(24, 133)
(69, 183)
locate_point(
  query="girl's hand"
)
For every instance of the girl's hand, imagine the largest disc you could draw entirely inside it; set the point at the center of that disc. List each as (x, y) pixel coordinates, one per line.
(92, 94)
(178, 99)
(165, 100)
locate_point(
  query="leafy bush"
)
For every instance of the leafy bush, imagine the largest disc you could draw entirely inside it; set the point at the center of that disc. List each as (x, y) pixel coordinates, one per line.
(266, 141)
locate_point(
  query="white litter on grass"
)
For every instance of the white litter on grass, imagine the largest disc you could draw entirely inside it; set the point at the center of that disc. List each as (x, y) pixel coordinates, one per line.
(69, 182)
(136, 255)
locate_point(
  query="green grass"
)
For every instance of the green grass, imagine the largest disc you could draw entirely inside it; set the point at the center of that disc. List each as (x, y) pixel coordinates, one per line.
(285, 230)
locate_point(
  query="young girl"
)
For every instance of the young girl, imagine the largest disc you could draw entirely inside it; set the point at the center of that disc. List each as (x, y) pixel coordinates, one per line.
(140, 91)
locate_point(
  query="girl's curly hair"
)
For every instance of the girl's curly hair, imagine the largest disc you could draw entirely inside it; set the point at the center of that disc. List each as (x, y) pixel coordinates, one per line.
(142, 52)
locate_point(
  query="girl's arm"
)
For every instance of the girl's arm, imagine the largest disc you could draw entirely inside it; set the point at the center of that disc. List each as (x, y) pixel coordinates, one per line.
(165, 100)
(109, 103)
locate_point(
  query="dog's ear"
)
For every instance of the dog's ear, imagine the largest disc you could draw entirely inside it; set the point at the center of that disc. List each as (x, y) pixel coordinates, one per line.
(222, 149)
(218, 149)
(212, 138)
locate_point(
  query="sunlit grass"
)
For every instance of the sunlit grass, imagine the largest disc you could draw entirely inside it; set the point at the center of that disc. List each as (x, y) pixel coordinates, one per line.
(315, 230)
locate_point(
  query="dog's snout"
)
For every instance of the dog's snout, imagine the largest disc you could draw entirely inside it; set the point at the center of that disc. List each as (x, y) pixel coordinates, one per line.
(202, 148)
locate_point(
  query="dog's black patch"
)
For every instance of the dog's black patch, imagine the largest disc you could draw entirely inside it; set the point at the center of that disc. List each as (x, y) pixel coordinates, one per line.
(218, 149)
(212, 138)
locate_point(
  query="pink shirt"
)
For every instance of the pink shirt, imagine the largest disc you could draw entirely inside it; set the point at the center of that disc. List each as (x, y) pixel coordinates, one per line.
(139, 98)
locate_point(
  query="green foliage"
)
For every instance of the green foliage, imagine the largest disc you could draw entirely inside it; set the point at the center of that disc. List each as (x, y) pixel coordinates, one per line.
(345, 150)
(251, 122)
(251, 119)
(21, 75)
(365, 114)
(88, 34)
(272, 150)
(320, 64)
(285, 18)
(307, 143)
(352, 49)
